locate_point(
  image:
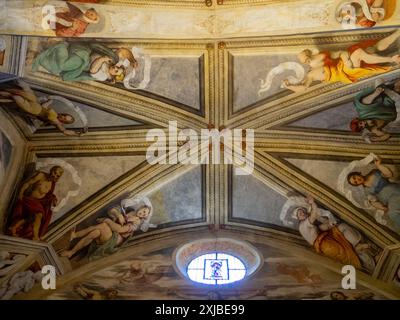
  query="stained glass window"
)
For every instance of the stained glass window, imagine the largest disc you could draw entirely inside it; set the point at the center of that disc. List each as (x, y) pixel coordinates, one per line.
(216, 268)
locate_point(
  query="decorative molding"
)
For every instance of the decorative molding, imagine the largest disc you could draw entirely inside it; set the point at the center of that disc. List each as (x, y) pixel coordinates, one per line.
(35, 251)
(292, 177)
(284, 243)
(389, 264)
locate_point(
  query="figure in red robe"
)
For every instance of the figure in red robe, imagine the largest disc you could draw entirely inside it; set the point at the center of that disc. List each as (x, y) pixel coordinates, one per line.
(74, 22)
(32, 212)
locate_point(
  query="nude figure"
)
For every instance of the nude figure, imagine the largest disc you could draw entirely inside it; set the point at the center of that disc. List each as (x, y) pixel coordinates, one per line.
(345, 66)
(107, 235)
(32, 212)
(28, 102)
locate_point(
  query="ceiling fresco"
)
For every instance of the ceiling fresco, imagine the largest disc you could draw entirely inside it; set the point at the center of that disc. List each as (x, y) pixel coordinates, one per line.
(312, 90)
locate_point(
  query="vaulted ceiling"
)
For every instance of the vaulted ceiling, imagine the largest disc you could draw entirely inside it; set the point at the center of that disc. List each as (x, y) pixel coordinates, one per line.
(202, 67)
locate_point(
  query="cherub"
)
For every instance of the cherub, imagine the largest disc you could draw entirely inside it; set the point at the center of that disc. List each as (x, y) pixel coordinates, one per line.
(73, 22)
(110, 233)
(27, 101)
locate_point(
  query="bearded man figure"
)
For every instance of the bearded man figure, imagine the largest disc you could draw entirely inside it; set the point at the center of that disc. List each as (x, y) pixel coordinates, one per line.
(32, 213)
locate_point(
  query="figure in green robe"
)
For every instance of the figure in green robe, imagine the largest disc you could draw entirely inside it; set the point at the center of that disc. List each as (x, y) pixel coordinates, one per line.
(376, 108)
(80, 61)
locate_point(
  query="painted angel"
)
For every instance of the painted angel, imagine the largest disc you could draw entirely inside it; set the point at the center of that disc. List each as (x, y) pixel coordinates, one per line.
(328, 236)
(73, 22)
(110, 233)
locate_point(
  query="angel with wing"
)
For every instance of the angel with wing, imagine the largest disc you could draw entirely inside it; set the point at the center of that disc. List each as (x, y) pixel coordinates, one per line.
(328, 236)
(73, 22)
(110, 233)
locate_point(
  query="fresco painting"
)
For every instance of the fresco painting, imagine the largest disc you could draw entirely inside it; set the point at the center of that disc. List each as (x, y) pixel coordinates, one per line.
(3, 47)
(88, 96)
(281, 275)
(5, 156)
(364, 13)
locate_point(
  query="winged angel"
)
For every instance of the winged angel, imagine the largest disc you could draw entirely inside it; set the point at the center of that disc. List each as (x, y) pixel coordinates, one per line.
(110, 233)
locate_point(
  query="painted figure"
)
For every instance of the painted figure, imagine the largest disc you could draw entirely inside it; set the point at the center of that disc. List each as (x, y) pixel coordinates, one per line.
(338, 295)
(383, 194)
(364, 13)
(27, 102)
(85, 61)
(326, 238)
(3, 47)
(329, 237)
(73, 22)
(347, 66)
(216, 272)
(19, 282)
(301, 273)
(109, 234)
(90, 294)
(8, 262)
(376, 108)
(32, 213)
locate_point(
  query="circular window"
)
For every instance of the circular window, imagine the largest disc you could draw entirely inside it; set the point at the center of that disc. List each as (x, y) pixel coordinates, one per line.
(217, 261)
(216, 268)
